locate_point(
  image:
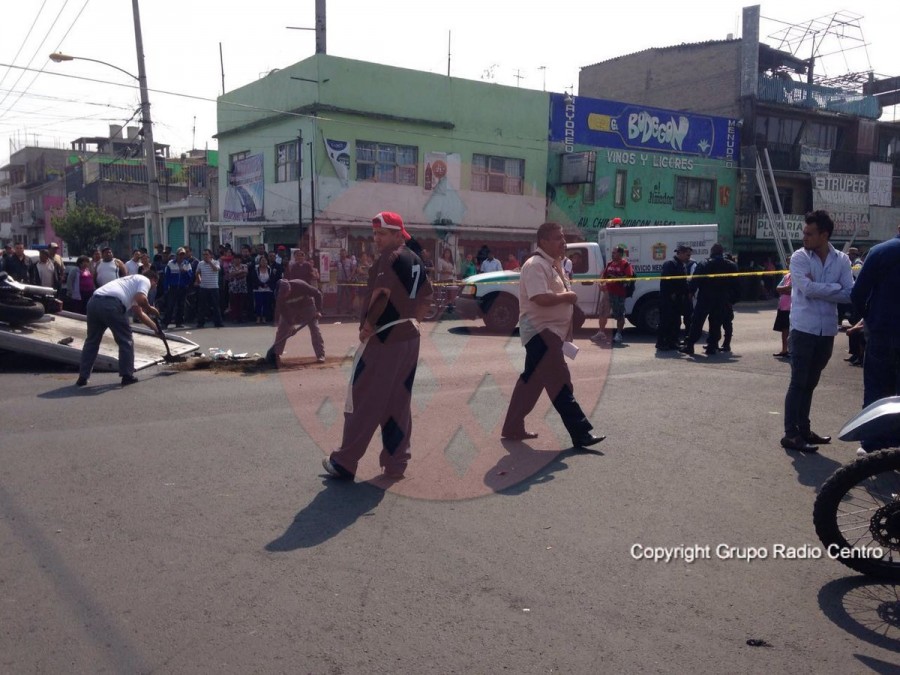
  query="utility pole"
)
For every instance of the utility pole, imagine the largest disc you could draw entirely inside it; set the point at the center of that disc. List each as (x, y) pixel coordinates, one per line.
(312, 195)
(299, 185)
(147, 130)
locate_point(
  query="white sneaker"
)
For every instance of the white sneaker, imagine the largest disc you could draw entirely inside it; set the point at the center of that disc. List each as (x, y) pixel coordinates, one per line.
(598, 337)
(617, 338)
(861, 452)
(320, 359)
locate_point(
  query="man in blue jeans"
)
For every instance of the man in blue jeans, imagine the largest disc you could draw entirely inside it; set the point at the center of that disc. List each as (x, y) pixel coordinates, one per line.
(876, 298)
(821, 279)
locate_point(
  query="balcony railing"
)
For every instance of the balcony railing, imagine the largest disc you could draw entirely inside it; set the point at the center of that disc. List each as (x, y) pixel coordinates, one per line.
(815, 97)
(786, 157)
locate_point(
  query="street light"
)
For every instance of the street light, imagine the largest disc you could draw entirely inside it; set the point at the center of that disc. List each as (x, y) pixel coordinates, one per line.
(59, 57)
(147, 125)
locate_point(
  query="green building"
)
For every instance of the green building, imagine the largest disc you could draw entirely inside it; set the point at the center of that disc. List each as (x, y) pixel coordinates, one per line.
(643, 165)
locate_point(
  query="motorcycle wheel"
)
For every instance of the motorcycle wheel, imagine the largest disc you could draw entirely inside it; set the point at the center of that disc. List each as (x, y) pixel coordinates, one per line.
(857, 515)
(17, 310)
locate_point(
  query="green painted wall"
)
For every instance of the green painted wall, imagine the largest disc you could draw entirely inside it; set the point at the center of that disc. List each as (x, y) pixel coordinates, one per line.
(356, 100)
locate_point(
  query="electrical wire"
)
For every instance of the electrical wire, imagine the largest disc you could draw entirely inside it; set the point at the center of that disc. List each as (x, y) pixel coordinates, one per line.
(31, 60)
(25, 40)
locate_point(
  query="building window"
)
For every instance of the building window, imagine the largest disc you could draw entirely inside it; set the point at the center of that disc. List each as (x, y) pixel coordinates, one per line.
(236, 157)
(387, 163)
(621, 188)
(286, 162)
(695, 194)
(589, 194)
(498, 174)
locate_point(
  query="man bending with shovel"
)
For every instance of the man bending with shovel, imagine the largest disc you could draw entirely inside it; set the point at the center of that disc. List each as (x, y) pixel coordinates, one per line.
(108, 308)
(297, 305)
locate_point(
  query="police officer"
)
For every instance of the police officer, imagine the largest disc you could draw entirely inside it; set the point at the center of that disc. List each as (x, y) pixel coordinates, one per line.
(672, 295)
(714, 299)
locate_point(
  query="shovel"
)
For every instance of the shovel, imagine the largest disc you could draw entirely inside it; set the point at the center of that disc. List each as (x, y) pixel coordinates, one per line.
(169, 357)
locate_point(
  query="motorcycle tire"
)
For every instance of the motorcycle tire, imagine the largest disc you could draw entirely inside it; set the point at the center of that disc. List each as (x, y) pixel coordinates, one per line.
(17, 310)
(857, 515)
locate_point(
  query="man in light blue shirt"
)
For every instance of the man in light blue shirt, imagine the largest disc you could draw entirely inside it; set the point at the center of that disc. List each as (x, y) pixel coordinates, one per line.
(821, 279)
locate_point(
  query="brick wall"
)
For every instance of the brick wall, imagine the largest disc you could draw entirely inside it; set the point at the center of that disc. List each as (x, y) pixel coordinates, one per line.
(702, 78)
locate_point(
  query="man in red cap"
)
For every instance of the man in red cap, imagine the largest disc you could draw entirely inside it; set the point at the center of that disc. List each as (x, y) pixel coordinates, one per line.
(380, 393)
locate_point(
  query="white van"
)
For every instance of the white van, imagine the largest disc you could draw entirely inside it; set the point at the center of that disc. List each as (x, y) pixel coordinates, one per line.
(494, 296)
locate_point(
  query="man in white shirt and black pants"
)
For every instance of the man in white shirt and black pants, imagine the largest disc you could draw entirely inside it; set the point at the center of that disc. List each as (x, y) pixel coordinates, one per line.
(207, 278)
(108, 308)
(821, 280)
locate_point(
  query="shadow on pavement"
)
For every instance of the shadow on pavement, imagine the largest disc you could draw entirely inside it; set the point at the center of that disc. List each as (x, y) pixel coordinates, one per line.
(336, 507)
(812, 469)
(71, 391)
(532, 465)
(867, 609)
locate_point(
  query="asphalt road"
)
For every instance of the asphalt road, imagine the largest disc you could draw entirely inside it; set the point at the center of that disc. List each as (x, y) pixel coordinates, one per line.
(183, 525)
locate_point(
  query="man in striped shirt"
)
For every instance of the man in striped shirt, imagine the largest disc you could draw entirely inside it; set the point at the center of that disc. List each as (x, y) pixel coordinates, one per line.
(207, 279)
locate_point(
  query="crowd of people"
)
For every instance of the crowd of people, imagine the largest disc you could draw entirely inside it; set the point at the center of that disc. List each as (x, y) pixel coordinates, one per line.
(244, 284)
(237, 285)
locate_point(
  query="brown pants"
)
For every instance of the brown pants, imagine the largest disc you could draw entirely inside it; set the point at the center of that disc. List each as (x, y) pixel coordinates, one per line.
(382, 396)
(289, 324)
(545, 370)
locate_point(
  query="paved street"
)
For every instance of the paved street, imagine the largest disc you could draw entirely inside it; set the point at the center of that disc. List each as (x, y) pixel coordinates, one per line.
(182, 525)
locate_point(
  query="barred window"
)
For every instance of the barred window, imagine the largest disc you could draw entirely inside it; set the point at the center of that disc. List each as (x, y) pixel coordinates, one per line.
(621, 187)
(498, 174)
(286, 164)
(387, 163)
(695, 194)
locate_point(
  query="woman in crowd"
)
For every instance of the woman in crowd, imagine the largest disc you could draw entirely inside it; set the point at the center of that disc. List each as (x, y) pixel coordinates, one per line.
(446, 270)
(237, 289)
(80, 285)
(783, 317)
(263, 279)
(468, 267)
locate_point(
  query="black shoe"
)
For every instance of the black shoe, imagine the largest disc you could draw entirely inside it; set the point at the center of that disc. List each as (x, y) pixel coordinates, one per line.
(726, 347)
(813, 437)
(798, 443)
(854, 360)
(687, 349)
(520, 436)
(852, 357)
(586, 440)
(129, 379)
(710, 351)
(81, 382)
(335, 470)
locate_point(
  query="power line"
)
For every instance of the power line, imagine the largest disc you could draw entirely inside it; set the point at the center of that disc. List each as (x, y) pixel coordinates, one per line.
(25, 40)
(65, 35)
(36, 51)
